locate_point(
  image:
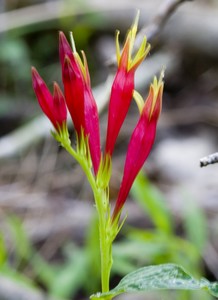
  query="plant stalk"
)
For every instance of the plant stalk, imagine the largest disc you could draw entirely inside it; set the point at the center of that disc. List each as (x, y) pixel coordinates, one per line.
(102, 205)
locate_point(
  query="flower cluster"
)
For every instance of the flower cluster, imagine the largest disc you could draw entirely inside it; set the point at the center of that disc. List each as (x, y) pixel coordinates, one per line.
(79, 101)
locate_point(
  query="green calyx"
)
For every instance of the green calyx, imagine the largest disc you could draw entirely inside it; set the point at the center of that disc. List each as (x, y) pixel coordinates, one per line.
(61, 134)
(104, 172)
(82, 147)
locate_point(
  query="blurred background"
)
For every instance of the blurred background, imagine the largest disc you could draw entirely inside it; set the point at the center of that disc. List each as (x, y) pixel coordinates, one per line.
(48, 229)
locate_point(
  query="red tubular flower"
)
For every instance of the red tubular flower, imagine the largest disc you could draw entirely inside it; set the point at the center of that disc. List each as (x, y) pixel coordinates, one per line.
(123, 85)
(54, 106)
(79, 98)
(66, 50)
(74, 87)
(141, 142)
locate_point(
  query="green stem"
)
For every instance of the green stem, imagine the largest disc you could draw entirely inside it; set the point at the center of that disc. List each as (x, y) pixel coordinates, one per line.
(105, 242)
(83, 163)
(102, 205)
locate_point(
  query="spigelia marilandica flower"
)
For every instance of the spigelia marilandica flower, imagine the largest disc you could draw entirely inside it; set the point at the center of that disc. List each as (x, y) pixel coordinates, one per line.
(83, 110)
(54, 106)
(141, 141)
(70, 73)
(123, 85)
(79, 98)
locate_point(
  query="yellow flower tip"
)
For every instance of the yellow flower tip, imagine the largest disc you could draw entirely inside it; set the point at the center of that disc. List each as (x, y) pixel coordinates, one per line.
(131, 39)
(157, 91)
(81, 62)
(141, 54)
(134, 26)
(118, 47)
(139, 100)
(157, 84)
(83, 66)
(73, 45)
(124, 57)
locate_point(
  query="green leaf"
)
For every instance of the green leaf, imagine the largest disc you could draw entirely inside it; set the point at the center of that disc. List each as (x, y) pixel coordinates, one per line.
(160, 277)
(45, 272)
(155, 248)
(3, 251)
(70, 277)
(23, 247)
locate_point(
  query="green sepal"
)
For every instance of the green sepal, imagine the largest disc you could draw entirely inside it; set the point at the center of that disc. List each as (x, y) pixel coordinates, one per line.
(115, 226)
(104, 172)
(159, 277)
(82, 147)
(62, 135)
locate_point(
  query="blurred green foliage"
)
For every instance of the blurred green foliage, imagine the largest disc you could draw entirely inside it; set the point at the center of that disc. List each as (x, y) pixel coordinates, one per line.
(79, 268)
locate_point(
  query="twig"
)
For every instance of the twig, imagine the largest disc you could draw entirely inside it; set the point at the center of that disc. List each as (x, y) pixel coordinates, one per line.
(156, 25)
(51, 10)
(209, 160)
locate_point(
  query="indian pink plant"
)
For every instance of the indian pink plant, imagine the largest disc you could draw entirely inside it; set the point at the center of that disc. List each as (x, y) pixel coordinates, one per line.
(79, 101)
